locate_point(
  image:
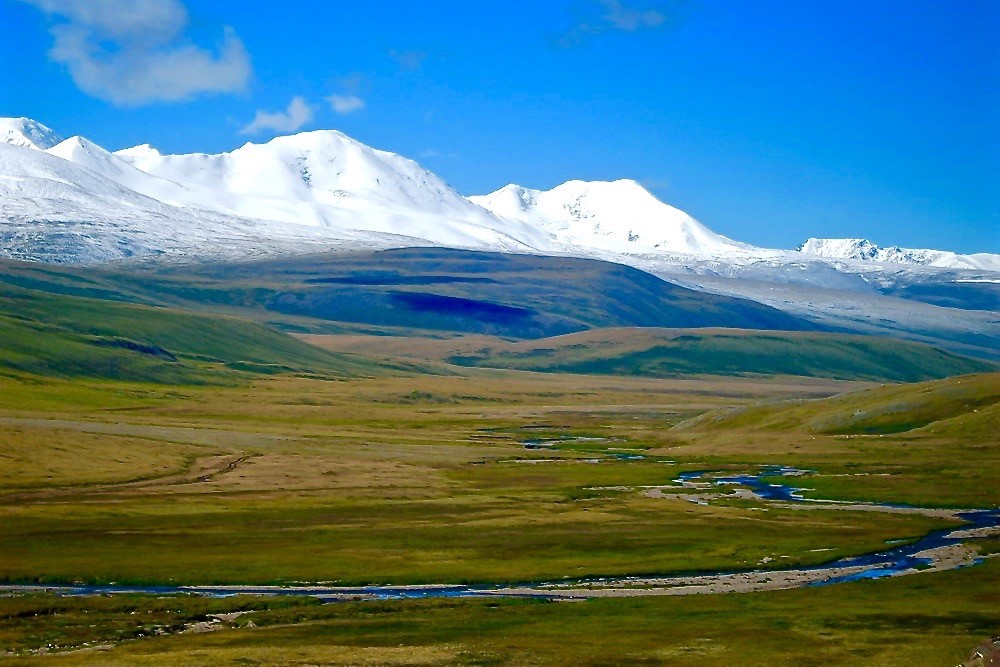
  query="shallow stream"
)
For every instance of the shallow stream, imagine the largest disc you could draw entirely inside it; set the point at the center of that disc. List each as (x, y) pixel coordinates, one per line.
(894, 560)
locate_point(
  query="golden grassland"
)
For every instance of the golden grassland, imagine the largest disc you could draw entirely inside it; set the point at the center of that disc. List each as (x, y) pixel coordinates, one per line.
(426, 479)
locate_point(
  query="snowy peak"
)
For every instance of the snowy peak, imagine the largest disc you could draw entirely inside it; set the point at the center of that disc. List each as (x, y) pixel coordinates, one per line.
(323, 186)
(142, 150)
(866, 251)
(27, 133)
(322, 182)
(860, 249)
(117, 168)
(88, 154)
(326, 179)
(618, 216)
(509, 201)
(329, 167)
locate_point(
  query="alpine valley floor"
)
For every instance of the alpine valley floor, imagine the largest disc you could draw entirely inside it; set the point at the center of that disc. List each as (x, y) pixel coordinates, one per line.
(486, 476)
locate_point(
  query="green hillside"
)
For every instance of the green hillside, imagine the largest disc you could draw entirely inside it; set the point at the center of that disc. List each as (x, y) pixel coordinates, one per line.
(66, 336)
(968, 406)
(672, 352)
(521, 296)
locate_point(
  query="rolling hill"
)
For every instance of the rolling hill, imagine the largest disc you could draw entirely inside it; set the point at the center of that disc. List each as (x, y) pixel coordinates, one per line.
(968, 405)
(524, 312)
(67, 336)
(672, 352)
(521, 296)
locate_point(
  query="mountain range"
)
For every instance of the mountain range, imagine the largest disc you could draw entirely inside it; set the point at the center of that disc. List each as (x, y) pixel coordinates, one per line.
(71, 201)
(324, 187)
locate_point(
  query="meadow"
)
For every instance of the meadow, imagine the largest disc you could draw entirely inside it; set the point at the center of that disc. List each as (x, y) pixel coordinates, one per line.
(220, 426)
(422, 479)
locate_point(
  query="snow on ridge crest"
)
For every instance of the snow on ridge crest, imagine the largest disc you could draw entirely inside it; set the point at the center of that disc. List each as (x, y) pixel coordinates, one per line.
(325, 184)
(866, 251)
(617, 216)
(322, 183)
(27, 133)
(142, 150)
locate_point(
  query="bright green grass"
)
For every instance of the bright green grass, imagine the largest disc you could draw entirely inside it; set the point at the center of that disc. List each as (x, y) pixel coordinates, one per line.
(65, 336)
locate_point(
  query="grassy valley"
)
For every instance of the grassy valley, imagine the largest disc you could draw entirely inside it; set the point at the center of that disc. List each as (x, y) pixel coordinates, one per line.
(166, 427)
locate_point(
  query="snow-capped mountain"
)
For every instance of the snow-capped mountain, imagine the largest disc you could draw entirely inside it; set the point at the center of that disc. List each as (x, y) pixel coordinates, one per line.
(620, 216)
(309, 191)
(866, 251)
(27, 133)
(87, 154)
(72, 200)
(326, 179)
(54, 210)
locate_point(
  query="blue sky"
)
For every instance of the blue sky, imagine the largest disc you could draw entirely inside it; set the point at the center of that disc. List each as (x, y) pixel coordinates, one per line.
(769, 121)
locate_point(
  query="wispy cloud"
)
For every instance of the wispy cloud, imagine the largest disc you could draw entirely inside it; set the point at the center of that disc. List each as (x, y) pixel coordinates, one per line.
(616, 15)
(409, 61)
(136, 52)
(434, 153)
(629, 19)
(348, 99)
(298, 113)
(345, 104)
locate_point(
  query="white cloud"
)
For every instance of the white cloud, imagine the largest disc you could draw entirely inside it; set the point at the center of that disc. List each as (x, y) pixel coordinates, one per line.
(135, 52)
(298, 113)
(345, 104)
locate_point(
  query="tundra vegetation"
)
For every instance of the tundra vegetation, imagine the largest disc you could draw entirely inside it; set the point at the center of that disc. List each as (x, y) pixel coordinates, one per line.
(145, 442)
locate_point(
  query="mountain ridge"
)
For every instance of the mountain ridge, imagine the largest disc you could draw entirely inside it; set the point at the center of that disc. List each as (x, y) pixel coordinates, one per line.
(322, 187)
(866, 251)
(587, 214)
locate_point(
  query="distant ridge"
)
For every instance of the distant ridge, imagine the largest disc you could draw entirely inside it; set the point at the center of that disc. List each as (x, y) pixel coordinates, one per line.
(866, 251)
(620, 216)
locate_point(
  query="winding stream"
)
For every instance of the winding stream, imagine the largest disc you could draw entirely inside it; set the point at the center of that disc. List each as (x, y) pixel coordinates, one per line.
(938, 550)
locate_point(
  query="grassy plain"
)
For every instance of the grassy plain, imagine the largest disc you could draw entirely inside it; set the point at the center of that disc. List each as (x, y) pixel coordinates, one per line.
(918, 620)
(426, 479)
(374, 480)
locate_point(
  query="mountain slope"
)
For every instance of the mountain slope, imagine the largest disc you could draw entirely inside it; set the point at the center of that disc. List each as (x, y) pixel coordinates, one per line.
(67, 336)
(73, 201)
(619, 216)
(87, 154)
(968, 405)
(326, 179)
(27, 133)
(670, 352)
(523, 296)
(54, 210)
